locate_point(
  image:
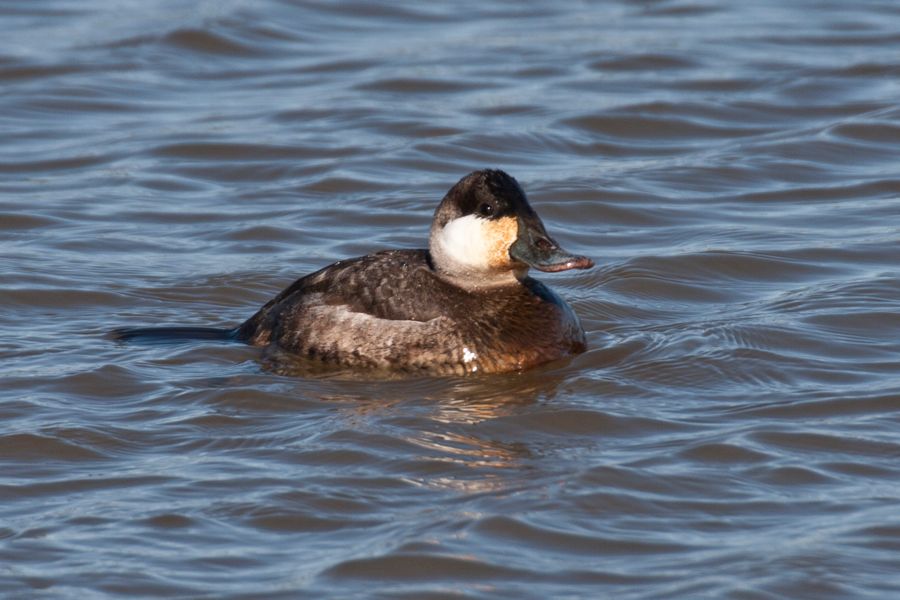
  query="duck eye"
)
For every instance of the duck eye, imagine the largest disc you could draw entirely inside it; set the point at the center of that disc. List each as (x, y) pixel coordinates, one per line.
(485, 210)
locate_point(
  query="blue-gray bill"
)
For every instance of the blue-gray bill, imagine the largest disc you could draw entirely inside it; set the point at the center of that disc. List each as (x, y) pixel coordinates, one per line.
(536, 249)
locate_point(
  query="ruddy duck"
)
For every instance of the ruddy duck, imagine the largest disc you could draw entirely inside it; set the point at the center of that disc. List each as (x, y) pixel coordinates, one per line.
(465, 305)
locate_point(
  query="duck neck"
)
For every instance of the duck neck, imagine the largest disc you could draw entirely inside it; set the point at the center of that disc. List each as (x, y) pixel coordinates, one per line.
(474, 279)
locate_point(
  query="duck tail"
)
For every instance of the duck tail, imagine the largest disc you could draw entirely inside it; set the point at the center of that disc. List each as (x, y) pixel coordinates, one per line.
(173, 334)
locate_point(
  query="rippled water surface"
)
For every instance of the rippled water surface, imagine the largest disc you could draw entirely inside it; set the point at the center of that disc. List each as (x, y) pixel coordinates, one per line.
(733, 168)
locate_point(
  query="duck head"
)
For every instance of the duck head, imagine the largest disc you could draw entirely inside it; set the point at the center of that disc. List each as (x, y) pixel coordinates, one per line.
(485, 232)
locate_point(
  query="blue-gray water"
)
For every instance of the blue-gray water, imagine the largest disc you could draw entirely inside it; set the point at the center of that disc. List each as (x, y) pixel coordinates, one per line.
(732, 432)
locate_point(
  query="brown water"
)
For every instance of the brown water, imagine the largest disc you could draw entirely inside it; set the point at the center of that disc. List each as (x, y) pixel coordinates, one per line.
(733, 168)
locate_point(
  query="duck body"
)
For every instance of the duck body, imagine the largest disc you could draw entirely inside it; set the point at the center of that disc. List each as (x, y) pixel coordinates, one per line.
(393, 310)
(464, 305)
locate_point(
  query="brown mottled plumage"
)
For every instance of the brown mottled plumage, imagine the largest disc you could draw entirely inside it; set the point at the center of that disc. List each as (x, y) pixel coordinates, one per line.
(392, 310)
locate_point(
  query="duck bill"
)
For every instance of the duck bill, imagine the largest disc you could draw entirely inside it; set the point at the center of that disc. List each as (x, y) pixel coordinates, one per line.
(536, 249)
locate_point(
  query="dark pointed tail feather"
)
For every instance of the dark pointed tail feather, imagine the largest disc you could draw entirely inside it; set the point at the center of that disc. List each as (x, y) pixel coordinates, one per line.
(173, 334)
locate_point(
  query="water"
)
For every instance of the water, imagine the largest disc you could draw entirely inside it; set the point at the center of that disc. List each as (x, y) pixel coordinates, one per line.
(732, 168)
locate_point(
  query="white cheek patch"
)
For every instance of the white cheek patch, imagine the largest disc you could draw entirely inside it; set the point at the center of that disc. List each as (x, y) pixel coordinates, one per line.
(466, 241)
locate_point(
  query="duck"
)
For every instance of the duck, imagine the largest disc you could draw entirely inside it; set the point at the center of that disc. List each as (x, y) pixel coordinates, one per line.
(464, 305)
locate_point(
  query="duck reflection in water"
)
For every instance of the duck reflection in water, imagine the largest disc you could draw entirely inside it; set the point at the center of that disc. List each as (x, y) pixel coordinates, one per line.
(472, 435)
